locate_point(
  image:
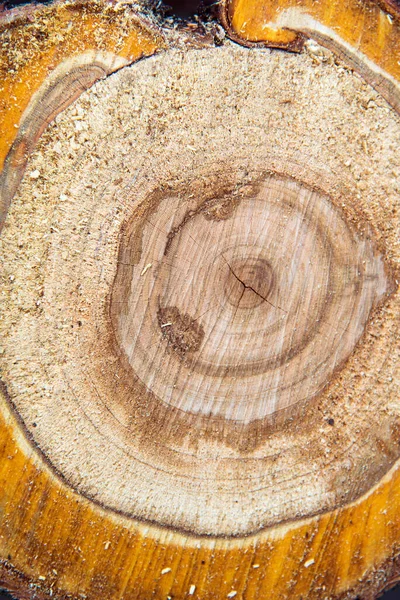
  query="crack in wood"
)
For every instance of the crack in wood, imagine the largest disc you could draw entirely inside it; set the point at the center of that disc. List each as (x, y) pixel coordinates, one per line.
(249, 287)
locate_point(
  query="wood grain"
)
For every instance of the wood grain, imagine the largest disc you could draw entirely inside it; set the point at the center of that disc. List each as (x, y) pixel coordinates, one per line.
(77, 546)
(365, 34)
(248, 289)
(36, 57)
(200, 357)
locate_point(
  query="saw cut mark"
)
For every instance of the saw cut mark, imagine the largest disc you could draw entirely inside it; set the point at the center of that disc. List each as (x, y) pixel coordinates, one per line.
(194, 280)
(348, 29)
(281, 292)
(66, 83)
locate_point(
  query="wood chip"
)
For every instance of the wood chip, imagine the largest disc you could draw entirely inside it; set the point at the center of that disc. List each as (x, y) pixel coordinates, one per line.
(146, 268)
(308, 563)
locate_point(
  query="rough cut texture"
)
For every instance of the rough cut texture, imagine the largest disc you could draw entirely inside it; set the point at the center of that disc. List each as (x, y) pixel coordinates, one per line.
(36, 40)
(366, 34)
(169, 332)
(199, 302)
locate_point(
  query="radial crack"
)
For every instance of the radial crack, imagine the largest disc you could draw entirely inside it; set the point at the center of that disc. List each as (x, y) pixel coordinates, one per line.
(249, 287)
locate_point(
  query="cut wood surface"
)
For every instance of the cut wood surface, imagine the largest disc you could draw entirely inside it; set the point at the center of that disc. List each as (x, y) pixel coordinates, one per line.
(199, 310)
(366, 34)
(72, 43)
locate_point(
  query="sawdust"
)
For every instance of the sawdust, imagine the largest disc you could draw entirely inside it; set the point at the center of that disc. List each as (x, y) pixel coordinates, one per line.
(150, 126)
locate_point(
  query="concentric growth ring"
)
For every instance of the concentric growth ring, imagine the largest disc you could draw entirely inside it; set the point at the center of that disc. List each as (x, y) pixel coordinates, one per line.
(244, 312)
(195, 282)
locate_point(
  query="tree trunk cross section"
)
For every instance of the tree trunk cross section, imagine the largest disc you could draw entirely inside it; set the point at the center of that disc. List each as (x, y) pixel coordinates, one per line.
(200, 293)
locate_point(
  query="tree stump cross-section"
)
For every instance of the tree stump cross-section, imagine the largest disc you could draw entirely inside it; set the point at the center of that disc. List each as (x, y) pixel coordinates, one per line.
(199, 331)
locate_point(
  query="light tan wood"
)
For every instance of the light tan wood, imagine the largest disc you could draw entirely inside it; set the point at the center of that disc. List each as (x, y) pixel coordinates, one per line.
(365, 34)
(244, 301)
(37, 40)
(133, 282)
(200, 330)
